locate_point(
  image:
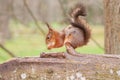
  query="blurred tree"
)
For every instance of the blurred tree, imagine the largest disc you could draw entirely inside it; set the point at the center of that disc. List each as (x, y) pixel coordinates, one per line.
(33, 17)
(112, 29)
(6, 50)
(4, 20)
(51, 11)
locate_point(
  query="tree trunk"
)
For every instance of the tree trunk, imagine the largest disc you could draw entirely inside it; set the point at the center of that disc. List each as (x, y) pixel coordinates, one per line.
(4, 20)
(112, 29)
(84, 67)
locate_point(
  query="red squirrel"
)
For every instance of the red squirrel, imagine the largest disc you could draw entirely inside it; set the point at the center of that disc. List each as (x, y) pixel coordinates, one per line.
(74, 35)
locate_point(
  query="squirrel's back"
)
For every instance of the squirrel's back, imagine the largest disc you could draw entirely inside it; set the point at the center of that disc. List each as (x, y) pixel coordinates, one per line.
(77, 20)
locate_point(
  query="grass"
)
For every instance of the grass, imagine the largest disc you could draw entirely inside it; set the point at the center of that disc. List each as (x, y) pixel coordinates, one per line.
(27, 41)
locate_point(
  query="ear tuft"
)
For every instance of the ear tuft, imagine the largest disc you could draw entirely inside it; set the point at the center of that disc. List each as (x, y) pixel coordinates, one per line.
(48, 26)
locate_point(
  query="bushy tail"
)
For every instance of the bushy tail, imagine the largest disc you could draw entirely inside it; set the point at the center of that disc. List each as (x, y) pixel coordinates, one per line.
(78, 10)
(76, 21)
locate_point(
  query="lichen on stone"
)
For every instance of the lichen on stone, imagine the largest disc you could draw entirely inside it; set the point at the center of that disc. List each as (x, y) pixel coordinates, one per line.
(23, 76)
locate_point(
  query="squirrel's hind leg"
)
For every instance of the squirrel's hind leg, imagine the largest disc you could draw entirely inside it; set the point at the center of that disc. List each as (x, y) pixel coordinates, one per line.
(71, 50)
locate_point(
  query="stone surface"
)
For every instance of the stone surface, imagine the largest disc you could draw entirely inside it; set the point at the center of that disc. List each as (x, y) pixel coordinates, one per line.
(84, 67)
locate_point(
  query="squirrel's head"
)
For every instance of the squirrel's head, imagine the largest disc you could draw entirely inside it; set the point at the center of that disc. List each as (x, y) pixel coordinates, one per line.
(50, 38)
(54, 39)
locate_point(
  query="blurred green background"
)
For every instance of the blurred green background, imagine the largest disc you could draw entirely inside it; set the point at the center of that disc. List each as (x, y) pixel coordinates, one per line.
(28, 42)
(20, 34)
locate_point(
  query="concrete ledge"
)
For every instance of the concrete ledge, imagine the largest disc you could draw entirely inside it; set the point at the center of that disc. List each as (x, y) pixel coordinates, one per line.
(84, 67)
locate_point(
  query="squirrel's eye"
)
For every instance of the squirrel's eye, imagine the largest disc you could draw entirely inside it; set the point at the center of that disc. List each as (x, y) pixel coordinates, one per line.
(48, 37)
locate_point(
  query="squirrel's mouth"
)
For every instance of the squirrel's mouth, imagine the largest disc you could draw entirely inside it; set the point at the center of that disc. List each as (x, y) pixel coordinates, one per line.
(50, 45)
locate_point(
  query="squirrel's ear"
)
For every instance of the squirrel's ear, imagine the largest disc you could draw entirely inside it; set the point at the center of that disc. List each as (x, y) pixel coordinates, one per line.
(48, 26)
